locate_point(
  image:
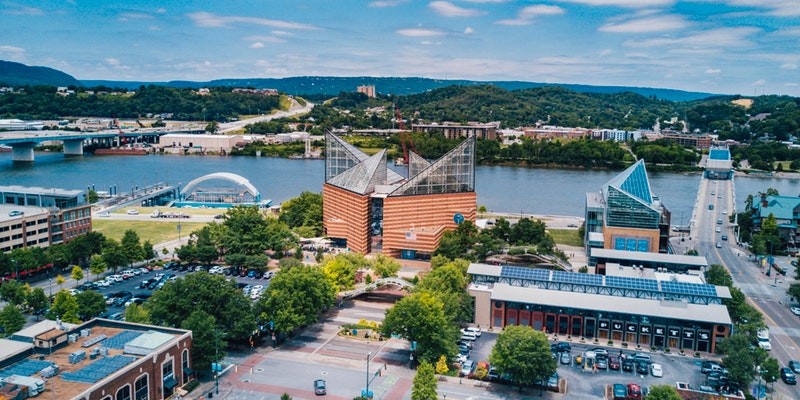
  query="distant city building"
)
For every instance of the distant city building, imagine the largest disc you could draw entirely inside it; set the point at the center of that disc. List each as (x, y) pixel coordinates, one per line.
(691, 140)
(486, 131)
(204, 91)
(263, 92)
(549, 132)
(368, 90)
(616, 135)
(719, 164)
(367, 207)
(98, 360)
(20, 125)
(626, 215)
(68, 215)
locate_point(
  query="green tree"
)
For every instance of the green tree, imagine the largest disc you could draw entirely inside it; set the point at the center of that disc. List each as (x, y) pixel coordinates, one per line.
(212, 127)
(77, 273)
(303, 211)
(207, 341)
(65, 307)
(385, 266)
(424, 383)
(741, 358)
(717, 275)
(37, 300)
(132, 246)
(295, 298)
(421, 318)
(147, 250)
(97, 265)
(92, 197)
(14, 292)
(114, 255)
(449, 283)
(60, 281)
(524, 354)
(770, 370)
(11, 319)
(213, 295)
(90, 304)
(137, 314)
(340, 270)
(286, 396)
(663, 392)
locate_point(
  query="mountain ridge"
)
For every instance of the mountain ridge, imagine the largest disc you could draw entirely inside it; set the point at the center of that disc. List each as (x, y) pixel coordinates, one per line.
(18, 74)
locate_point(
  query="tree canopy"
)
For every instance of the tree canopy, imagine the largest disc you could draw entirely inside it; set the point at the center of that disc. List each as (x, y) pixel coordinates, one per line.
(421, 318)
(524, 354)
(295, 298)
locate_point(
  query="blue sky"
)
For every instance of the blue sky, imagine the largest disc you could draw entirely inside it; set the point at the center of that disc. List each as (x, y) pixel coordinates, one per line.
(724, 46)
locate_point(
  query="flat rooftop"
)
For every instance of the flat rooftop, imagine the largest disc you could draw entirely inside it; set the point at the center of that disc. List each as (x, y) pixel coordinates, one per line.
(662, 258)
(7, 209)
(35, 190)
(120, 346)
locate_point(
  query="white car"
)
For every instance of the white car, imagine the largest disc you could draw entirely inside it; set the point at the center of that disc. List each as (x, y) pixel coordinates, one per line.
(144, 270)
(215, 270)
(133, 212)
(655, 370)
(796, 310)
(102, 283)
(116, 278)
(103, 214)
(475, 331)
(718, 230)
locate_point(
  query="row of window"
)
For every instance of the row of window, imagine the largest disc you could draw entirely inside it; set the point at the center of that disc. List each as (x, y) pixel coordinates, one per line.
(142, 384)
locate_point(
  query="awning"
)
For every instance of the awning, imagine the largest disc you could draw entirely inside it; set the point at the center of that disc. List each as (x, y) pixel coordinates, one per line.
(170, 383)
(187, 371)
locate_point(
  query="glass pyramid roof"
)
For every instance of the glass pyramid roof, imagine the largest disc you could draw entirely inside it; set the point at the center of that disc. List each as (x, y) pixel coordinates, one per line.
(634, 182)
(454, 172)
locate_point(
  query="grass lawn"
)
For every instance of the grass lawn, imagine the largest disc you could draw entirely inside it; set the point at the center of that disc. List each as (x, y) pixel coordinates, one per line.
(568, 237)
(156, 231)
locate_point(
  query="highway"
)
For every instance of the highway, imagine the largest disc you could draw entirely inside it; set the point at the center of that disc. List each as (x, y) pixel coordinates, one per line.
(766, 293)
(295, 109)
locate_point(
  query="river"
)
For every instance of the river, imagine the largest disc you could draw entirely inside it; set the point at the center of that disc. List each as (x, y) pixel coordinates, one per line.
(500, 188)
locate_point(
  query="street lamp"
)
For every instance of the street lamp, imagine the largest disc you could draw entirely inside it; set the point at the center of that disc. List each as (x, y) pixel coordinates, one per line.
(367, 394)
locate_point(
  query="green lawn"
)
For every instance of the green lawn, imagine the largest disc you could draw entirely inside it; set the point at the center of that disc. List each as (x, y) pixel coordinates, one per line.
(154, 231)
(567, 237)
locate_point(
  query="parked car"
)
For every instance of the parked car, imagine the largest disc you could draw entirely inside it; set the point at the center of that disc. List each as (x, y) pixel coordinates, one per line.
(493, 375)
(613, 363)
(467, 368)
(787, 376)
(620, 393)
(320, 387)
(117, 278)
(642, 367)
(627, 364)
(133, 212)
(465, 343)
(117, 316)
(562, 346)
(566, 358)
(215, 270)
(475, 331)
(601, 362)
(708, 367)
(599, 351)
(269, 275)
(144, 270)
(634, 391)
(796, 310)
(655, 370)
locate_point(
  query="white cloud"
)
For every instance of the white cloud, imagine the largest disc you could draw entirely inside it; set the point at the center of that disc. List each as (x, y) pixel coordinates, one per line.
(20, 9)
(257, 45)
(791, 84)
(161, 10)
(210, 20)
(469, 31)
(282, 33)
(759, 82)
(713, 71)
(650, 24)
(419, 32)
(385, 3)
(268, 39)
(448, 9)
(527, 14)
(623, 3)
(605, 52)
(487, 1)
(134, 15)
(112, 62)
(429, 43)
(790, 32)
(12, 53)
(154, 28)
(714, 38)
(778, 8)
(789, 66)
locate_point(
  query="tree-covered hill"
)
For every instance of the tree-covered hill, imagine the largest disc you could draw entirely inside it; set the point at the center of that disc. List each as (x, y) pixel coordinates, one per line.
(16, 74)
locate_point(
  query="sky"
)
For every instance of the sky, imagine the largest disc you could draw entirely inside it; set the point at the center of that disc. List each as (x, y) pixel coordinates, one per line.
(748, 47)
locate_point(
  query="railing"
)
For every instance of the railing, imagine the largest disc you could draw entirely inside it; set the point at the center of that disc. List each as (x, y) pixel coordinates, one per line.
(378, 283)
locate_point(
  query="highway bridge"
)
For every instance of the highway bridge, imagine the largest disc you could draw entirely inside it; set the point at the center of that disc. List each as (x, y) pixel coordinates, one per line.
(23, 142)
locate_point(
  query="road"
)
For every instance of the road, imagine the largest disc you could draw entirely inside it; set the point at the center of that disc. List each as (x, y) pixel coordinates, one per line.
(295, 109)
(766, 293)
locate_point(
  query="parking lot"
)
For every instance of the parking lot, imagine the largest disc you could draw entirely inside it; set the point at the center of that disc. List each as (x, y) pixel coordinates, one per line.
(589, 384)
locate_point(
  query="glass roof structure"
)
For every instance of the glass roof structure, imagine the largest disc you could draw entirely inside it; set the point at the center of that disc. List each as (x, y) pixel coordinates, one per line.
(349, 168)
(719, 154)
(630, 202)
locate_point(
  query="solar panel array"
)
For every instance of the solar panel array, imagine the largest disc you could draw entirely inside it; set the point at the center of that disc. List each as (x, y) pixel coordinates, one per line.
(98, 369)
(580, 279)
(25, 368)
(694, 289)
(632, 283)
(525, 273)
(118, 341)
(621, 282)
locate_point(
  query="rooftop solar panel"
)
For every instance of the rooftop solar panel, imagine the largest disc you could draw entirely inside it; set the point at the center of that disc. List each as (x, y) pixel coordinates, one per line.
(118, 341)
(693, 289)
(632, 283)
(98, 369)
(25, 368)
(577, 278)
(525, 273)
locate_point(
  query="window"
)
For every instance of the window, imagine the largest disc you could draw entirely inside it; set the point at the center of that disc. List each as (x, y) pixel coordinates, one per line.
(124, 393)
(185, 366)
(141, 388)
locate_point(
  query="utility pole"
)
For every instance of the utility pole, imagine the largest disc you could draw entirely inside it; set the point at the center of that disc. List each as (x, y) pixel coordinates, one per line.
(366, 393)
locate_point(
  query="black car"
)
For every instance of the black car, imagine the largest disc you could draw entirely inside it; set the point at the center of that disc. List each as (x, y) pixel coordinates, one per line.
(787, 376)
(627, 364)
(643, 368)
(562, 347)
(183, 267)
(795, 366)
(152, 285)
(121, 300)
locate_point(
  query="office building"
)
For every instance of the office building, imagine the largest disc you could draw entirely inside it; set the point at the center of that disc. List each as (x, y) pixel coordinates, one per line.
(487, 131)
(368, 207)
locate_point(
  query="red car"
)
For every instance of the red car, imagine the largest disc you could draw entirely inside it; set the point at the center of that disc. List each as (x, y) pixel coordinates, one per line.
(613, 362)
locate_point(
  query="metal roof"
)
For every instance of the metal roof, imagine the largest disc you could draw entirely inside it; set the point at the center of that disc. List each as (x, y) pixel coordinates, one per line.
(10, 348)
(42, 327)
(649, 257)
(147, 342)
(711, 313)
(40, 191)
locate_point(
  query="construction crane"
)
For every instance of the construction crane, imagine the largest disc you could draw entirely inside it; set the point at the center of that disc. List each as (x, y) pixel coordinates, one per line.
(405, 135)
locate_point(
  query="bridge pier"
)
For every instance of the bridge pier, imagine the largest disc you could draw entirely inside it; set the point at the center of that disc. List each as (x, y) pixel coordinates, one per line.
(73, 147)
(22, 152)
